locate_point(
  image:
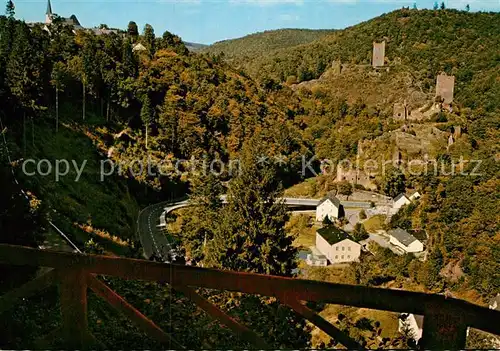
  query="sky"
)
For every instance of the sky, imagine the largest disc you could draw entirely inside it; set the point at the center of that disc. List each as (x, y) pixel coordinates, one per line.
(208, 21)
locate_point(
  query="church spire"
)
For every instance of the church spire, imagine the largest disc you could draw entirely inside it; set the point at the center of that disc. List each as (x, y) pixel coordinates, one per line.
(49, 9)
(48, 14)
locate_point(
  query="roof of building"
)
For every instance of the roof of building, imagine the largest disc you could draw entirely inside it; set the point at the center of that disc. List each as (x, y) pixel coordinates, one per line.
(333, 199)
(332, 234)
(419, 234)
(497, 300)
(400, 196)
(139, 47)
(402, 236)
(103, 31)
(71, 20)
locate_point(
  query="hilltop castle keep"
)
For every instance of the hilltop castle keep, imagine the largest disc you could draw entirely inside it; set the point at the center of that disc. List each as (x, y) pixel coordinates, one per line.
(445, 86)
(378, 54)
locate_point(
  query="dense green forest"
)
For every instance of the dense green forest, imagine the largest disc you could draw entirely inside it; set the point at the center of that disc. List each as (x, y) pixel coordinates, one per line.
(250, 46)
(82, 97)
(66, 95)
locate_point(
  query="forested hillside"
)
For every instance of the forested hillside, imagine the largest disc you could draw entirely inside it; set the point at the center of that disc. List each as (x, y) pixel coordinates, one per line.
(86, 98)
(78, 96)
(82, 90)
(253, 45)
(423, 42)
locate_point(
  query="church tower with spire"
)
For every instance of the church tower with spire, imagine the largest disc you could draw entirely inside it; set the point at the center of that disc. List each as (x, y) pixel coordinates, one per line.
(48, 14)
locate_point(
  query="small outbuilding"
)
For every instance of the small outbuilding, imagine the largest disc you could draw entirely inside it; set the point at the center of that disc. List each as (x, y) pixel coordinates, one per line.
(316, 260)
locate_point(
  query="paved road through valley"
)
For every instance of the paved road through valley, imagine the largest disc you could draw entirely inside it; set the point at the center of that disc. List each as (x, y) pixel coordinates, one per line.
(155, 239)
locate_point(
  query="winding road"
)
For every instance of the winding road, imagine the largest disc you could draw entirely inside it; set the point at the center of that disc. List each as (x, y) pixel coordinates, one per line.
(155, 239)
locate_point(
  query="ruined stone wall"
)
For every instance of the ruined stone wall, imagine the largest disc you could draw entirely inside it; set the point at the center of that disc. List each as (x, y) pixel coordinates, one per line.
(445, 85)
(399, 111)
(354, 176)
(378, 54)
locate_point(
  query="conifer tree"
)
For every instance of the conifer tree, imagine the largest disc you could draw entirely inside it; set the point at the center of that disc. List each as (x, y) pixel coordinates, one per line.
(251, 234)
(89, 74)
(10, 9)
(22, 74)
(149, 37)
(132, 29)
(206, 190)
(394, 182)
(75, 66)
(58, 81)
(146, 115)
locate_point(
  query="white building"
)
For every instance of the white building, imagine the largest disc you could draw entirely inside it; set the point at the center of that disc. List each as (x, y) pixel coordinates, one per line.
(404, 240)
(415, 195)
(411, 325)
(316, 260)
(400, 201)
(495, 303)
(335, 244)
(329, 207)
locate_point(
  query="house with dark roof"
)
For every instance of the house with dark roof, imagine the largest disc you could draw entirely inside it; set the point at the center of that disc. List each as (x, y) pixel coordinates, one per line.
(404, 240)
(329, 207)
(337, 245)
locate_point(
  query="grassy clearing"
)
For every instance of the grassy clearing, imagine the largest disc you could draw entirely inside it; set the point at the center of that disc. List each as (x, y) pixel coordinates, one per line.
(307, 188)
(375, 223)
(106, 205)
(332, 274)
(54, 241)
(302, 227)
(388, 321)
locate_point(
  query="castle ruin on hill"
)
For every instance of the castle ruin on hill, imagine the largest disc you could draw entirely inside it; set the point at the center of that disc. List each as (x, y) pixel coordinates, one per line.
(378, 59)
(445, 86)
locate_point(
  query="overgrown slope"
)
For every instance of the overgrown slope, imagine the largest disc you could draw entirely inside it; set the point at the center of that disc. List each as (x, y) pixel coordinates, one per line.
(423, 42)
(254, 45)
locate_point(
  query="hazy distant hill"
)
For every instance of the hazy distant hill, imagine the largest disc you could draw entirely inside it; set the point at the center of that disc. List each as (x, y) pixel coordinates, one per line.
(194, 46)
(254, 45)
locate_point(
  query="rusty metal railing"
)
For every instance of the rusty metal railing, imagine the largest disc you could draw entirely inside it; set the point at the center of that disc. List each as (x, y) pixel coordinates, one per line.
(445, 319)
